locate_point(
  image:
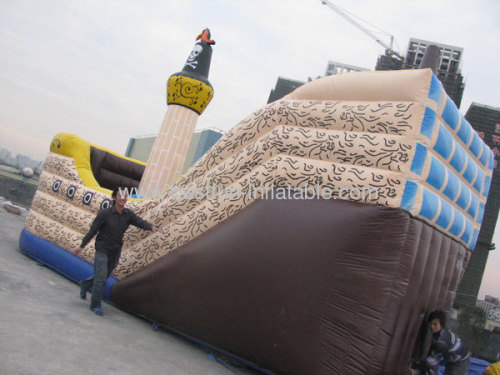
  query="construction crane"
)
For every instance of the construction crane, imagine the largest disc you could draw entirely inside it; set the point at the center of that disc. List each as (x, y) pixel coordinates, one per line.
(388, 47)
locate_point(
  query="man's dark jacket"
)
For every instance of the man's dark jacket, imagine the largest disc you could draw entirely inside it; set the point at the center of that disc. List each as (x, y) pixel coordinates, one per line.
(109, 225)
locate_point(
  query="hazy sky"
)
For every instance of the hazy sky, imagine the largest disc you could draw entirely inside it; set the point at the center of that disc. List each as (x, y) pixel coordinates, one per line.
(98, 69)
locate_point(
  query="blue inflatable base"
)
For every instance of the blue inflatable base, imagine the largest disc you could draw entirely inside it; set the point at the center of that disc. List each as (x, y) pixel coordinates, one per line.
(60, 260)
(477, 366)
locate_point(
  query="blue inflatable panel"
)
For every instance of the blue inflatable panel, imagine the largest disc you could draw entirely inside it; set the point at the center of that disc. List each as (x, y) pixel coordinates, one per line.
(60, 260)
(465, 131)
(417, 165)
(437, 174)
(430, 205)
(467, 235)
(471, 170)
(445, 215)
(481, 213)
(478, 184)
(428, 122)
(458, 223)
(486, 186)
(464, 198)
(450, 114)
(473, 207)
(477, 366)
(452, 186)
(435, 89)
(485, 155)
(477, 145)
(409, 194)
(458, 159)
(444, 143)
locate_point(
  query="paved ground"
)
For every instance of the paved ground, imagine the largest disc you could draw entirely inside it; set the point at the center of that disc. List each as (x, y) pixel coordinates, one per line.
(15, 189)
(45, 328)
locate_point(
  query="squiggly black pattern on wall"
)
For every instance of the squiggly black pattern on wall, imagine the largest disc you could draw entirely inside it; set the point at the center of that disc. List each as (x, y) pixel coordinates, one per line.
(336, 135)
(289, 143)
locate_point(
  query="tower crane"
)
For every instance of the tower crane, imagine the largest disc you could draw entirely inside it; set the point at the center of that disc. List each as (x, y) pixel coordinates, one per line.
(388, 47)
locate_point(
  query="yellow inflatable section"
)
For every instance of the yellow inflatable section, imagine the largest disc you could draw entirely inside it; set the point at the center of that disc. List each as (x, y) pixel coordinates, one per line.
(79, 150)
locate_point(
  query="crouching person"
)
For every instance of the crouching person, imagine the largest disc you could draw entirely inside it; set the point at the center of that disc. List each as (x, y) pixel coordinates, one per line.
(445, 344)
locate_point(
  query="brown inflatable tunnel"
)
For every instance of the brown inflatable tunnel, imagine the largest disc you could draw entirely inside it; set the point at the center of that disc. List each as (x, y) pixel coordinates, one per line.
(304, 286)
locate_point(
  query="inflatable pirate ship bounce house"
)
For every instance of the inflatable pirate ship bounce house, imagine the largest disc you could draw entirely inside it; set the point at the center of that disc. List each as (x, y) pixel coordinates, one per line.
(336, 284)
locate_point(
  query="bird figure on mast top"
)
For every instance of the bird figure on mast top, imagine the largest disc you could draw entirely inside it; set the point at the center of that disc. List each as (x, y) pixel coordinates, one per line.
(198, 62)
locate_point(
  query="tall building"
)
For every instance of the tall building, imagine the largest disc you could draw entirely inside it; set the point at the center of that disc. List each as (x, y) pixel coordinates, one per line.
(449, 68)
(486, 121)
(284, 86)
(385, 62)
(492, 309)
(491, 299)
(201, 142)
(449, 71)
(449, 60)
(140, 147)
(486, 305)
(335, 67)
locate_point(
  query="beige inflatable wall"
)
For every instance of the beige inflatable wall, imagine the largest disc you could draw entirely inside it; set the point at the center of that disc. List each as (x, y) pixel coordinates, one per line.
(383, 138)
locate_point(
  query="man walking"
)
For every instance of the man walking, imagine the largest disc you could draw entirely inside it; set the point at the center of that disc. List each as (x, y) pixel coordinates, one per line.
(110, 224)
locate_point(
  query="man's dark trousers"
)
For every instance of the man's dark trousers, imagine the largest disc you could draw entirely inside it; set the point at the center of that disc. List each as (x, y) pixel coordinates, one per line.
(458, 368)
(104, 264)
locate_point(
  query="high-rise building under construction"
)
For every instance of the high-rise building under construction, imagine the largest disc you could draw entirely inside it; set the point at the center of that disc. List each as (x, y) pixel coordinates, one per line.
(449, 66)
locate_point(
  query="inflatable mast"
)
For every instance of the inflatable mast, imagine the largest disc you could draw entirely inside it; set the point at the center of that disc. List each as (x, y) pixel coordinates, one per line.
(188, 94)
(431, 58)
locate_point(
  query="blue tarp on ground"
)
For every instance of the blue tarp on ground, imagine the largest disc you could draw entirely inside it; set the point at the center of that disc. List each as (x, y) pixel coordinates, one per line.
(477, 366)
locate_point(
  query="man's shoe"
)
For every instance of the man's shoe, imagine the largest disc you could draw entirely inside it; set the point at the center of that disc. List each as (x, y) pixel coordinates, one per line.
(83, 291)
(97, 311)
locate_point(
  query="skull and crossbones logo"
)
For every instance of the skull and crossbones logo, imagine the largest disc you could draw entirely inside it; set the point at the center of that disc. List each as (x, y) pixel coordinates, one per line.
(193, 56)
